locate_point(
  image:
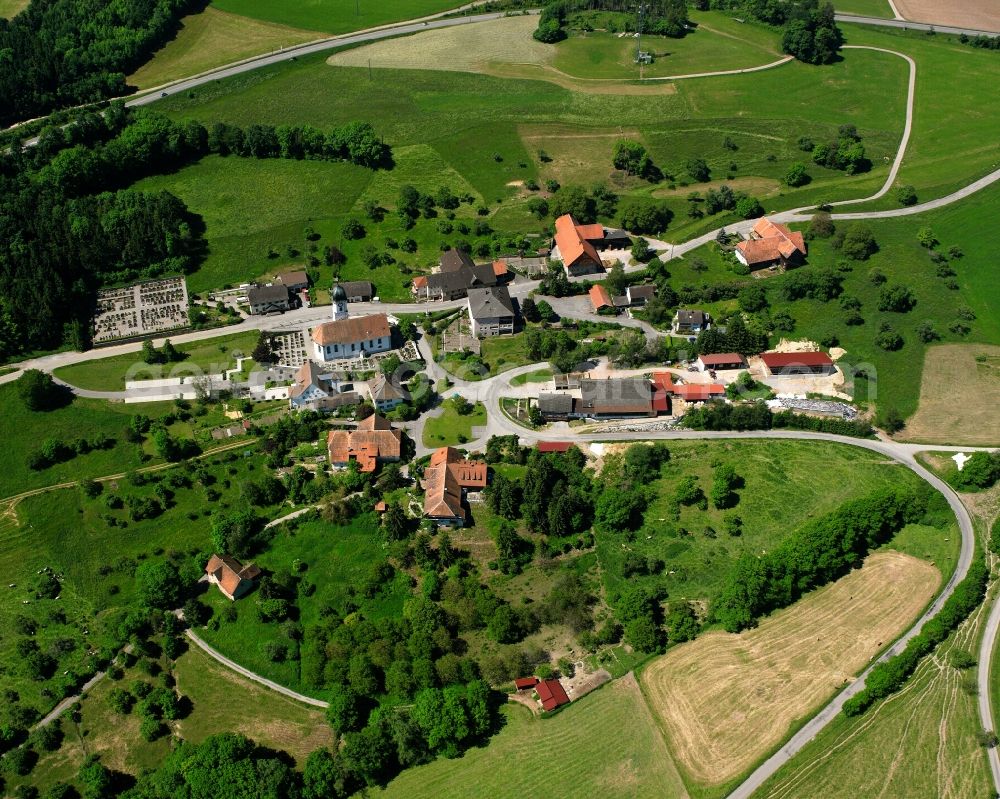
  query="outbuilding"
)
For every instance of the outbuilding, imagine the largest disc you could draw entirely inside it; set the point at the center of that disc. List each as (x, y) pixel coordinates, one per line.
(720, 361)
(790, 364)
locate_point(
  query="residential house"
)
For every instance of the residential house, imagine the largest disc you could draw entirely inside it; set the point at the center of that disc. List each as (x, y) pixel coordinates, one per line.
(720, 361)
(446, 482)
(785, 364)
(232, 577)
(690, 322)
(372, 442)
(317, 389)
(491, 311)
(457, 275)
(576, 247)
(354, 337)
(268, 299)
(639, 295)
(769, 245)
(358, 290)
(293, 281)
(385, 394)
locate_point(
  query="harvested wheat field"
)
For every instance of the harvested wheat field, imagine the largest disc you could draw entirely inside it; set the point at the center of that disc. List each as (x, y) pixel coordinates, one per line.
(980, 15)
(959, 396)
(726, 700)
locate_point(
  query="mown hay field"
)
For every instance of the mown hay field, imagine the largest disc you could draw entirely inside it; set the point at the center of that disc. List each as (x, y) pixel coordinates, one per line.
(606, 745)
(959, 396)
(983, 15)
(726, 700)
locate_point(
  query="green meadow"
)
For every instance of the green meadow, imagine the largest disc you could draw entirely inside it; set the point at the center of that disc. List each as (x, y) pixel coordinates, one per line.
(335, 16)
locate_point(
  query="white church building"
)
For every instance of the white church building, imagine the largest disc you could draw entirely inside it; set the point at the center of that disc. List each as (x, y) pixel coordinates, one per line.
(346, 337)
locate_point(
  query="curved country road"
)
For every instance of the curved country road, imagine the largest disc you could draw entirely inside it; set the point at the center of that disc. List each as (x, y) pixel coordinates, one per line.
(986, 649)
(234, 666)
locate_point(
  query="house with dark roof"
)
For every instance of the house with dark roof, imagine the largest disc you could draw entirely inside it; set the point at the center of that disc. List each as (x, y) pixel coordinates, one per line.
(614, 398)
(358, 290)
(268, 299)
(385, 394)
(690, 321)
(771, 244)
(453, 260)
(318, 389)
(792, 364)
(293, 281)
(454, 283)
(354, 337)
(639, 295)
(555, 406)
(374, 441)
(446, 482)
(232, 577)
(491, 311)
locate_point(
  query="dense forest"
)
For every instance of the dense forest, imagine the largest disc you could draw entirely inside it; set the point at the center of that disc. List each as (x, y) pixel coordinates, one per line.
(59, 53)
(69, 224)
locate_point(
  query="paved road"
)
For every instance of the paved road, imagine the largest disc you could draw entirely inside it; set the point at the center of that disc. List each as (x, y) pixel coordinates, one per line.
(913, 26)
(986, 650)
(230, 664)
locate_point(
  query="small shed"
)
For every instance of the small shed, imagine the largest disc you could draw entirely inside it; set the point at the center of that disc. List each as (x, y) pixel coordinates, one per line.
(525, 683)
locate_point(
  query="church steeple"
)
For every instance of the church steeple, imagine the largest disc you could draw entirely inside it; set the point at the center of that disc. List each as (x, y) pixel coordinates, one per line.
(339, 298)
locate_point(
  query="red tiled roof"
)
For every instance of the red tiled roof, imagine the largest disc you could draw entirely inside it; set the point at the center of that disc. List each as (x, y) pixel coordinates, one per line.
(357, 328)
(374, 439)
(590, 232)
(572, 246)
(721, 358)
(664, 381)
(599, 297)
(771, 242)
(521, 683)
(445, 477)
(229, 573)
(552, 694)
(420, 282)
(699, 392)
(779, 360)
(380, 506)
(554, 446)
(500, 268)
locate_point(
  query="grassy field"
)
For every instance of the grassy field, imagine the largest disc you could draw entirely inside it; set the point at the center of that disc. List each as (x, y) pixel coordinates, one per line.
(605, 745)
(867, 8)
(942, 156)
(505, 48)
(335, 16)
(780, 494)
(10, 8)
(212, 38)
(901, 259)
(450, 428)
(918, 743)
(959, 395)
(727, 700)
(211, 356)
(538, 376)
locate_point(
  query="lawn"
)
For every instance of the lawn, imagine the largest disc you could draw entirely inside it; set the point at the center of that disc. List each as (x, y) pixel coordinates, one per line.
(930, 726)
(10, 8)
(866, 8)
(451, 428)
(718, 43)
(606, 745)
(538, 376)
(780, 494)
(211, 356)
(335, 16)
(897, 375)
(212, 38)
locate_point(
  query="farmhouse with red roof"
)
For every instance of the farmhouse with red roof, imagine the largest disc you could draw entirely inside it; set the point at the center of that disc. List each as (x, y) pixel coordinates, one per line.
(551, 694)
(579, 245)
(771, 244)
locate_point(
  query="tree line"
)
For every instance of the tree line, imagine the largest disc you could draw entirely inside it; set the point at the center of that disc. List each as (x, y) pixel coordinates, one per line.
(63, 235)
(58, 53)
(757, 416)
(660, 17)
(814, 555)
